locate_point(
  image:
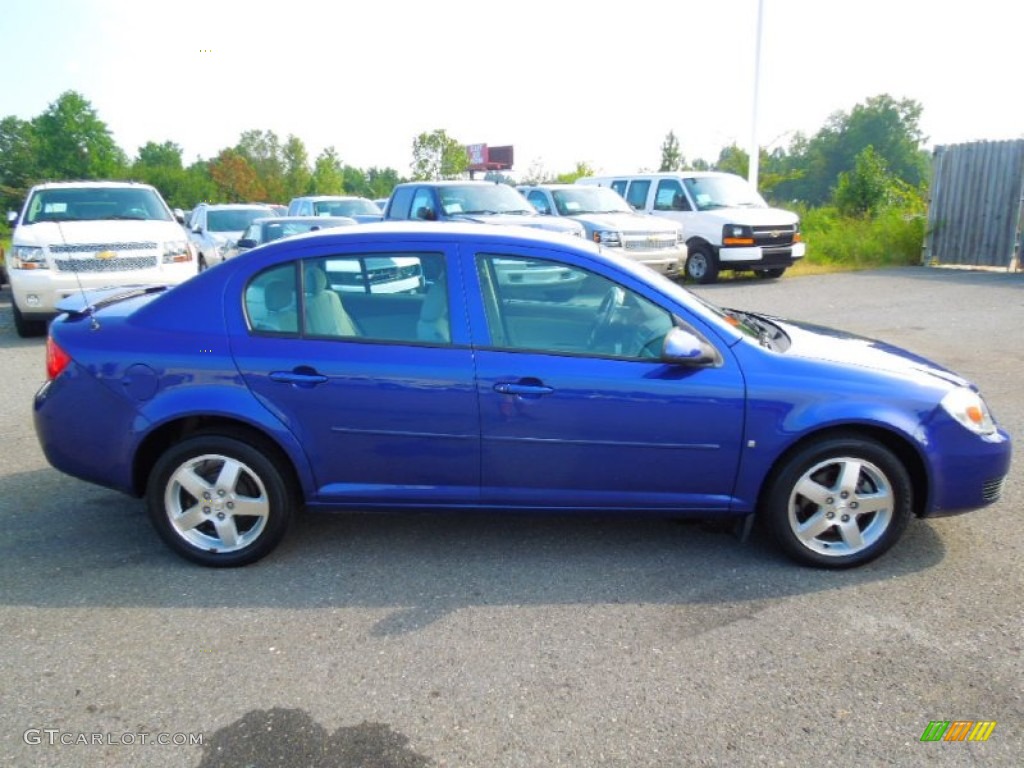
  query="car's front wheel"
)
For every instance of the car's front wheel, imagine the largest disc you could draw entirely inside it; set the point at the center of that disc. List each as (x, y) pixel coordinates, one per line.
(839, 502)
(701, 264)
(219, 501)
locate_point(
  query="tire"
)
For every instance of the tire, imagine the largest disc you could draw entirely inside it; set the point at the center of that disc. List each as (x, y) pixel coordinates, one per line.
(771, 274)
(701, 265)
(821, 518)
(228, 475)
(26, 328)
(202, 263)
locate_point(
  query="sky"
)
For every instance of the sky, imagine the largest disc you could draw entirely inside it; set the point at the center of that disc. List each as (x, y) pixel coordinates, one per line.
(562, 81)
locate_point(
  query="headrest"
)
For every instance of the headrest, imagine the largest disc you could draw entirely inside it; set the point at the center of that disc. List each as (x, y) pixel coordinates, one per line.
(316, 280)
(277, 295)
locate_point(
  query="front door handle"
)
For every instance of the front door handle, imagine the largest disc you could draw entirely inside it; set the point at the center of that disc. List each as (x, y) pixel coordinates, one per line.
(523, 388)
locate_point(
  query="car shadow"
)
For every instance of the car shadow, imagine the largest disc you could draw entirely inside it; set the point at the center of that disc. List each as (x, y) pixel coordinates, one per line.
(64, 543)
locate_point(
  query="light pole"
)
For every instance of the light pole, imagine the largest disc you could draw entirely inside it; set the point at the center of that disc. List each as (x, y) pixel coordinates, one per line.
(755, 152)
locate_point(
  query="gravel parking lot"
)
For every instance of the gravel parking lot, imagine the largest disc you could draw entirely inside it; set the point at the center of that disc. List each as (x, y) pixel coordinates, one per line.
(458, 641)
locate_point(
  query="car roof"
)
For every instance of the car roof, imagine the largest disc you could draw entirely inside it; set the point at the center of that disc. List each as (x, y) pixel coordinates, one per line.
(425, 231)
(451, 183)
(330, 197)
(302, 219)
(235, 206)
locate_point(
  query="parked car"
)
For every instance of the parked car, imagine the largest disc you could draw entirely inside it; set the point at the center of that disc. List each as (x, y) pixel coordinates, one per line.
(215, 228)
(484, 202)
(268, 229)
(610, 221)
(74, 235)
(727, 224)
(359, 208)
(631, 396)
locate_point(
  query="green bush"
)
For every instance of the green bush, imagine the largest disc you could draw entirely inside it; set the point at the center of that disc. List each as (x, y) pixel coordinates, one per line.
(893, 237)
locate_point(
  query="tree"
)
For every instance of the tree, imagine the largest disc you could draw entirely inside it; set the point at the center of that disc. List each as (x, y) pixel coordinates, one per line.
(73, 143)
(235, 178)
(581, 170)
(889, 126)
(328, 177)
(671, 158)
(160, 165)
(381, 181)
(438, 156)
(262, 150)
(297, 177)
(870, 187)
(732, 159)
(19, 168)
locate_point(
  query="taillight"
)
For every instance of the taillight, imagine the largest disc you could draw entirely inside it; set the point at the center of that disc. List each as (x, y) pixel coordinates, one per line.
(56, 359)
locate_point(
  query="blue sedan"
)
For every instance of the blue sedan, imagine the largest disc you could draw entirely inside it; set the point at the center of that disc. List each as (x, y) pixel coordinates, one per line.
(496, 369)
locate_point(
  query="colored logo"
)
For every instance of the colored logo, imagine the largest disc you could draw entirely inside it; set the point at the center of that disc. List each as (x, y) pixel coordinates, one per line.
(958, 730)
(106, 255)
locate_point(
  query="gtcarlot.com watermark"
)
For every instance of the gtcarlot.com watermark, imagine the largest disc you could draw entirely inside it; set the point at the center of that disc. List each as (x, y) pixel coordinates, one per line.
(54, 737)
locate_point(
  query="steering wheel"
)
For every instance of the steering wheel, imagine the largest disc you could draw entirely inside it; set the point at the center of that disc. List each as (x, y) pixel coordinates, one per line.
(611, 303)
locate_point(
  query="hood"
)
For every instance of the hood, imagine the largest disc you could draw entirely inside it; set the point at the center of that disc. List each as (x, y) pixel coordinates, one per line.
(627, 222)
(99, 232)
(549, 223)
(820, 343)
(752, 217)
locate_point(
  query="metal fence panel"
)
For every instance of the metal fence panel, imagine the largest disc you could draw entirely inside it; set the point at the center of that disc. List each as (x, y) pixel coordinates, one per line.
(976, 210)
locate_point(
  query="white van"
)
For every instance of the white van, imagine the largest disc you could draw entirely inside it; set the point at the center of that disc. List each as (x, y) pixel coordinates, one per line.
(726, 223)
(72, 236)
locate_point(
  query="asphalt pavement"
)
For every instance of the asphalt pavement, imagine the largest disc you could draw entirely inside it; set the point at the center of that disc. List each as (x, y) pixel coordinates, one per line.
(453, 640)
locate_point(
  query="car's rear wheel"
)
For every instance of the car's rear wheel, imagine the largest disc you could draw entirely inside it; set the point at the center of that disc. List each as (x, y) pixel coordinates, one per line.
(219, 501)
(701, 264)
(839, 502)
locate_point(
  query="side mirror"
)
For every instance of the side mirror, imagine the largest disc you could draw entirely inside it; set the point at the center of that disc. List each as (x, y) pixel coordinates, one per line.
(179, 215)
(686, 348)
(248, 242)
(12, 218)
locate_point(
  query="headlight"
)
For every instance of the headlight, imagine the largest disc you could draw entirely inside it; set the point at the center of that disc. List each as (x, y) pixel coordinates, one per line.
(967, 407)
(736, 234)
(28, 257)
(176, 252)
(609, 238)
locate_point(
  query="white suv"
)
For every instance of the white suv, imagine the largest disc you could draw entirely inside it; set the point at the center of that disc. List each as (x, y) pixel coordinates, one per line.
(76, 235)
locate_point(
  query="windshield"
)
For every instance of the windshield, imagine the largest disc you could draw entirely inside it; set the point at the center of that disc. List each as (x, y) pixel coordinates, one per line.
(96, 204)
(574, 201)
(484, 199)
(233, 220)
(351, 207)
(711, 192)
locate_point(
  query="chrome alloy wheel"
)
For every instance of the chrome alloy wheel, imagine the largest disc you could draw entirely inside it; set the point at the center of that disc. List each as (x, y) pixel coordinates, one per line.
(216, 503)
(841, 506)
